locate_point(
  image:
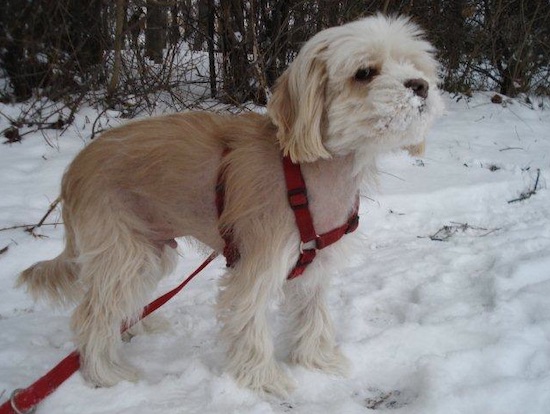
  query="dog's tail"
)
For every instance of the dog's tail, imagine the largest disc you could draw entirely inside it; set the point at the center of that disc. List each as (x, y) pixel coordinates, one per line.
(56, 279)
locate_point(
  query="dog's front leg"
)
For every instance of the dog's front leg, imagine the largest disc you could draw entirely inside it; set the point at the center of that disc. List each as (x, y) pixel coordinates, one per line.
(242, 303)
(310, 331)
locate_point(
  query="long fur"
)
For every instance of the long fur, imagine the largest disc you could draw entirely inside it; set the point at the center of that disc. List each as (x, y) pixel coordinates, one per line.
(130, 193)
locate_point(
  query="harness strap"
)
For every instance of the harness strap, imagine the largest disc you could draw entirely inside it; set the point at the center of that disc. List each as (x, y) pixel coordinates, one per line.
(310, 241)
(230, 251)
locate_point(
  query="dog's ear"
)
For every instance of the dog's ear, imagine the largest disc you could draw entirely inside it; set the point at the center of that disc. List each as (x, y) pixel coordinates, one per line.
(297, 109)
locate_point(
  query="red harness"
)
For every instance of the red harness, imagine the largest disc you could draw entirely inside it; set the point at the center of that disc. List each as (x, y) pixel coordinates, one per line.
(311, 242)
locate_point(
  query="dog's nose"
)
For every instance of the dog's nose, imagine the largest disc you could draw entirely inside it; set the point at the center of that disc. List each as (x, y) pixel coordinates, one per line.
(419, 87)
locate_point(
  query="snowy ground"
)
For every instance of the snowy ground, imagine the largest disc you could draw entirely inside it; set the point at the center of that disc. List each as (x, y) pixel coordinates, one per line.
(454, 326)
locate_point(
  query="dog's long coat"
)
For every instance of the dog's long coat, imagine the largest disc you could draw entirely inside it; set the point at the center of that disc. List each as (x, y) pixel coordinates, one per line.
(353, 91)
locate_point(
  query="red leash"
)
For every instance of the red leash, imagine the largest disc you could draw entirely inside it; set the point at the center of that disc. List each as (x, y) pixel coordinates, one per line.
(24, 401)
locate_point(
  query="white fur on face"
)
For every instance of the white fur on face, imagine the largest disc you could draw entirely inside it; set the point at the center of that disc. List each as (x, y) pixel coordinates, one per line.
(381, 114)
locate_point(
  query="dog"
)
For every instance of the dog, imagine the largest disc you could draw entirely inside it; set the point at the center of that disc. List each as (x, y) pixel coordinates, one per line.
(352, 92)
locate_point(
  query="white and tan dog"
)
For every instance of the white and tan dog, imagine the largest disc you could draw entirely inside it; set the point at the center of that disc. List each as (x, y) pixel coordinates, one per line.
(352, 92)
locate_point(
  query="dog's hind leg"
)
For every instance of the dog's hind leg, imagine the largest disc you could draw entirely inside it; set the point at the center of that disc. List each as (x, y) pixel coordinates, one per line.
(120, 277)
(311, 331)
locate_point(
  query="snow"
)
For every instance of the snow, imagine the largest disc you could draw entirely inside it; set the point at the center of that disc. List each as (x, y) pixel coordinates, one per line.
(454, 326)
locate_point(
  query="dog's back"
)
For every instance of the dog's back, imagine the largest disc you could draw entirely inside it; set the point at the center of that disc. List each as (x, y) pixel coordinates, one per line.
(153, 178)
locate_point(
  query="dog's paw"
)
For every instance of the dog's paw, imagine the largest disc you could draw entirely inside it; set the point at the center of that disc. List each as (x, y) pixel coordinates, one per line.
(108, 373)
(332, 362)
(270, 380)
(152, 324)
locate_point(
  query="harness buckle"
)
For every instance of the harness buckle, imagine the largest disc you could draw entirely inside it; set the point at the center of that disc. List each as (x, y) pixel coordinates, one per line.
(15, 408)
(310, 245)
(306, 258)
(297, 198)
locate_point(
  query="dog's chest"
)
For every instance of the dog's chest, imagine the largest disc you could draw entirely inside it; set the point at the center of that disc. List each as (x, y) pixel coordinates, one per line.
(332, 192)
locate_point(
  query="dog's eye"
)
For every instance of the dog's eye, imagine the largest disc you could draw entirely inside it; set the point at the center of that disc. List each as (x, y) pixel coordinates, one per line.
(365, 74)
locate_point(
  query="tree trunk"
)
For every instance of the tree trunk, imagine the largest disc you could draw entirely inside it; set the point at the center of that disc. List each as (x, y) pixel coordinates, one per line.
(211, 51)
(262, 92)
(203, 20)
(236, 79)
(174, 30)
(277, 39)
(85, 36)
(155, 32)
(119, 26)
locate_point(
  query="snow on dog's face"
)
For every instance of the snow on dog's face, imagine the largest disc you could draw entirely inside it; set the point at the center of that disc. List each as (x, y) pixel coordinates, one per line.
(364, 87)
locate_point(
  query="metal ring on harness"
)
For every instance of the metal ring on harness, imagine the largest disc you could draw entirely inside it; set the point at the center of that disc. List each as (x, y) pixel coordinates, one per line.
(14, 407)
(310, 245)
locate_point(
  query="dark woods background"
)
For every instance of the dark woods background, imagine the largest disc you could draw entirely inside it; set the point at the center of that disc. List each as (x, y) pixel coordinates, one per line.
(129, 54)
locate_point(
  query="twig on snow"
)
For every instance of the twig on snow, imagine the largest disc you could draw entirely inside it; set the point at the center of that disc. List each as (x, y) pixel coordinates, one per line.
(527, 194)
(7, 246)
(43, 219)
(388, 399)
(511, 148)
(448, 231)
(30, 228)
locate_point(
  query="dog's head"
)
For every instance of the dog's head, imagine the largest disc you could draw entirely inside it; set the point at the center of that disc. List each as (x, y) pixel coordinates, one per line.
(364, 87)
